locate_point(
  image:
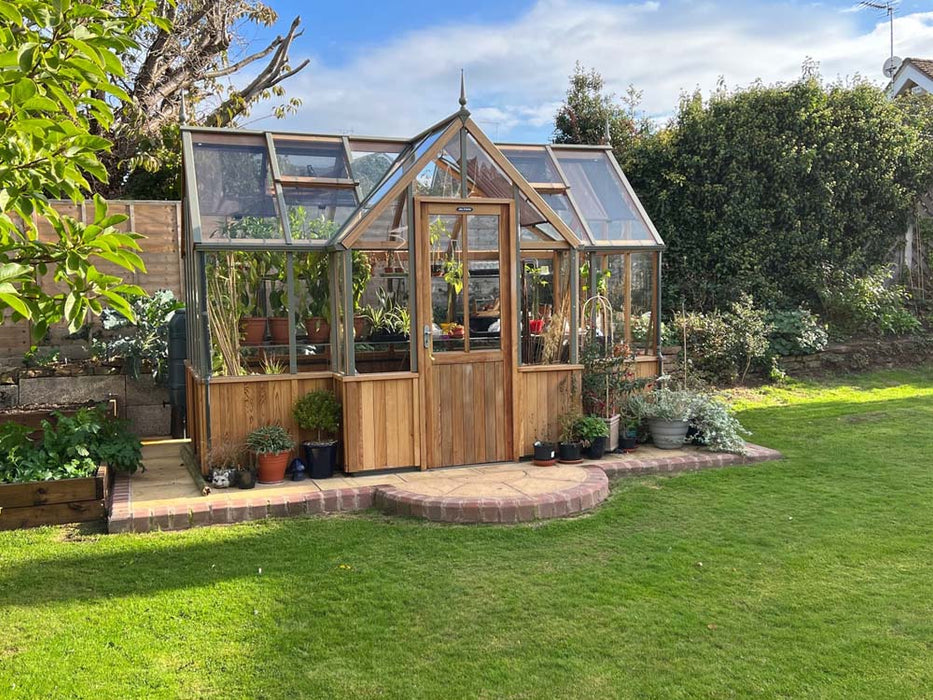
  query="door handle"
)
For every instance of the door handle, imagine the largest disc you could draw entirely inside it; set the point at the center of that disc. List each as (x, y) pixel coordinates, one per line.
(426, 336)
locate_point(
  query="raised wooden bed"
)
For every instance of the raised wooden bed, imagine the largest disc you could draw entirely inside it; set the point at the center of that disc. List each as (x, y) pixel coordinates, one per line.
(32, 416)
(57, 502)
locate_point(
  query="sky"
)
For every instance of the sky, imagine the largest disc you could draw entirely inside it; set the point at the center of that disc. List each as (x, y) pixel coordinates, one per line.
(392, 68)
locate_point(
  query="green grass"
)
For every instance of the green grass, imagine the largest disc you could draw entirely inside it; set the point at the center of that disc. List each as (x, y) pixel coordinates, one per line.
(810, 577)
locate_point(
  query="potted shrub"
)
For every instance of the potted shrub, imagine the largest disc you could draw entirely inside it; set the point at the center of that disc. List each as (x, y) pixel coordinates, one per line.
(594, 433)
(278, 303)
(608, 381)
(272, 445)
(628, 436)
(319, 411)
(569, 448)
(223, 460)
(545, 453)
(668, 413)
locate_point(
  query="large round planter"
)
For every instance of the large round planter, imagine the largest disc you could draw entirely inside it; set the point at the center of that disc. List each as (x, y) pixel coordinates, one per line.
(569, 452)
(318, 330)
(545, 454)
(668, 434)
(253, 329)
(272, 467)
(597, 448)
(278, 329)
(321, 458)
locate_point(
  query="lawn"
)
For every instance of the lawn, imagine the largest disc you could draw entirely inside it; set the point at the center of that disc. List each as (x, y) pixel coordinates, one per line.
(810, 577)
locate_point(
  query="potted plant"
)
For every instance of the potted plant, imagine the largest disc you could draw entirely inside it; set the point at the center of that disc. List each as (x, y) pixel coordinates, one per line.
(278, 302)
(272, 445)
(223, 460)
(608, 380)
(628, 435)
(668, 413)
(246, 475)
(319, 411)
(594, 433)
(252, 269)
(545, 453)
(569, 448)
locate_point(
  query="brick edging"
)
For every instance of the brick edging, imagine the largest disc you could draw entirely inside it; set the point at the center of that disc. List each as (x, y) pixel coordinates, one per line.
(692, 461)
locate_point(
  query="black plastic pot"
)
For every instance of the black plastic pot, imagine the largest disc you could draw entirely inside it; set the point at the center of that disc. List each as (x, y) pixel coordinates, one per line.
(597, 448)
(246, 478)
(320, 458)
(545, 453)
(569, 452)
(627, 443)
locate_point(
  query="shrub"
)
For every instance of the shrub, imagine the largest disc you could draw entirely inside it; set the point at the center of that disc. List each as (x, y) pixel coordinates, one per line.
(318, 411)
(589, 428)
(665, 404)
(717, 428)
(868, 304)
(269, 439)
(73, 447)
(796, 332)
(608, 377)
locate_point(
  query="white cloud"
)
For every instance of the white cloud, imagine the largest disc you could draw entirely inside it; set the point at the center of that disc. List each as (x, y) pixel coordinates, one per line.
(517, 71)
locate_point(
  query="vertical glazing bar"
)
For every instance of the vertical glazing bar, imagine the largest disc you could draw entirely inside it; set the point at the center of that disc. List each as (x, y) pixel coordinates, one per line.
(205, 367)
(292, 304)
(348, 155)
(593, 288)
(334, 285)
(191, 189)
(574, 306)
(347, 291)
(279, 195)
(627, 311)
(464, 185)
(657, 311)
(414, 329)
(519, 286)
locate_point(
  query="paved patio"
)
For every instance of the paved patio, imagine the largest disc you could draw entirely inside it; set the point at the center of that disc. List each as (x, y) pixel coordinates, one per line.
(165, 497)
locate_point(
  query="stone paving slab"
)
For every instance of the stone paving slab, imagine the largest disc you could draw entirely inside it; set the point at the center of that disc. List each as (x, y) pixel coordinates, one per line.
(164, 497)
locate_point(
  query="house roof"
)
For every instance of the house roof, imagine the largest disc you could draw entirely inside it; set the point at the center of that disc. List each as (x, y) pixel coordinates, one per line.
(912, 73)
(358, 187)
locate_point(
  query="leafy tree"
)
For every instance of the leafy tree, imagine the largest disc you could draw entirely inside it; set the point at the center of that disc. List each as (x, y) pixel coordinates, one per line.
(58, 64)
(199, 52)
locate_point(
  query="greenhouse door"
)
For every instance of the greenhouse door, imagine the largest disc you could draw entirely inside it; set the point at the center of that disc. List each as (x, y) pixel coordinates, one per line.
(466, 321)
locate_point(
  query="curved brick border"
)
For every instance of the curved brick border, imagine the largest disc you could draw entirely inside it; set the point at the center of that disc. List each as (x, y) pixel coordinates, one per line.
(577, 498)
(683, 461)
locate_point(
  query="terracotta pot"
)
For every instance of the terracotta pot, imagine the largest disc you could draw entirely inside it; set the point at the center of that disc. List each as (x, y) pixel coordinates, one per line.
(318, 329)
(253, 329)
(536, 325)
(272, 467)
(278, 329)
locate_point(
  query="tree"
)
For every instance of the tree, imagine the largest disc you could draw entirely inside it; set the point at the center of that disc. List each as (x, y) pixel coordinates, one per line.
(197, 53)
(589, 111)
(58, 64)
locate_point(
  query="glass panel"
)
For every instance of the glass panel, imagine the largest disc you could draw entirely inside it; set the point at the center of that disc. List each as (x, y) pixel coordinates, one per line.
(440, 177)
(485, 178)
(483, 282)
(560, 203)
(643, 329)
(391, 226)
(235, 193)
(247, 312)
(316, 213)
(314, 311)
(534, 224)
(544, 318)
(382, 322)
(608, 208)
(307, 158)
(445, 236)
(371, 160)
(534, 164)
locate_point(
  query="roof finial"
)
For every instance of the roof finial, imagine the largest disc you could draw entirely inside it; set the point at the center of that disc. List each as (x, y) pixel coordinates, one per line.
(608, 136)
(463, 98)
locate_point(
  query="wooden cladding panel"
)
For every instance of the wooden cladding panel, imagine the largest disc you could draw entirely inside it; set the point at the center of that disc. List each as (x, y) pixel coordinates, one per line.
(471, 413)
(646, 367)
(382, 423)
(545, 396)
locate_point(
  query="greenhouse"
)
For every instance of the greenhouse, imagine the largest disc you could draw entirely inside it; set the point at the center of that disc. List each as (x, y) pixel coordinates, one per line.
(439, 286)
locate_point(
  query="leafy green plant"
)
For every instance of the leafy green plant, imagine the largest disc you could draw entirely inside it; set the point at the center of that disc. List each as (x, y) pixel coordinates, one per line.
(796, 332)
(589, 428)
(145, 346)
(608, 376)
(71, 447)
(270, 439)
(318, 411)
(867, 304)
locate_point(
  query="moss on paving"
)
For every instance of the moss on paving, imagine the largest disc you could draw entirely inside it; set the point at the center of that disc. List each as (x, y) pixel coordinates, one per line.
(809, 577)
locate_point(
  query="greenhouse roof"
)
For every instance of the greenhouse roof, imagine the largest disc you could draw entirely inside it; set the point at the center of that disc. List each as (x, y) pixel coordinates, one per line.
(357, 188)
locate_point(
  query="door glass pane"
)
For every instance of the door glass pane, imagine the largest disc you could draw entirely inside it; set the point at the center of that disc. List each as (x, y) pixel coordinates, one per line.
(445, 236)
(483, 283)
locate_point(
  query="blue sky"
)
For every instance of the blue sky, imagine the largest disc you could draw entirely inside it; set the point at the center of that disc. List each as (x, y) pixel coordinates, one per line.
(392, 67)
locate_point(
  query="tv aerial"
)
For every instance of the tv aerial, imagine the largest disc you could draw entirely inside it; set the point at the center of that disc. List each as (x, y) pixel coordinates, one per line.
(892, 64)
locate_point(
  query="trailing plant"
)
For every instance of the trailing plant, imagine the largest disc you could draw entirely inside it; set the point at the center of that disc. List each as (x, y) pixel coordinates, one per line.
(665, 404)
(144, 347)
(269, 439)
(717, 428)
(318, 411)
(71, 447)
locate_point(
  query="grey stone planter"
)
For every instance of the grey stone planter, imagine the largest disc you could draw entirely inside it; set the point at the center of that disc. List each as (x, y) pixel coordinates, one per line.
(668, 434)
